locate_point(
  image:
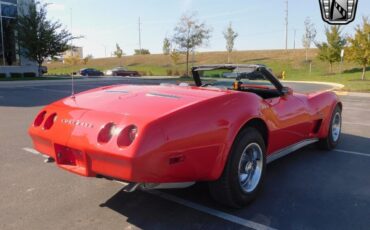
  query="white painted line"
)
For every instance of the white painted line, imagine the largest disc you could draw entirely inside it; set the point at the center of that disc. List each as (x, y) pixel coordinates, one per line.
(348, 109)
(211, 211)
(352, 152)
(356, 123)
(34, 152)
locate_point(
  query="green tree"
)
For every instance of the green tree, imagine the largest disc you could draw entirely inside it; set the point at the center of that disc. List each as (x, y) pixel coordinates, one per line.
(309, 35)
(330, 51)
(358, 49)
(166, 46)
(39, 37)
(118, 52)
(230, 35)
(190, 34)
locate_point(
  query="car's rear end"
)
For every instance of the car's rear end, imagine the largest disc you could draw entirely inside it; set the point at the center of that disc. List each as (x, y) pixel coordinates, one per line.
(86, 142)
(118, 133)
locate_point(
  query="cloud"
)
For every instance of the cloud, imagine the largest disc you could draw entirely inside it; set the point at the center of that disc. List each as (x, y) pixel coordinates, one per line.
(56, 7)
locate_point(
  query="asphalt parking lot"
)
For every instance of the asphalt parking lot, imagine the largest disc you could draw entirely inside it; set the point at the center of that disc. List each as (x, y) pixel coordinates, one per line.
(309, 189)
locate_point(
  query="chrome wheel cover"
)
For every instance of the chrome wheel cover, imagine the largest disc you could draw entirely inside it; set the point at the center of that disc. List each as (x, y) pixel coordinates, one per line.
(336, 127)
(250, 167)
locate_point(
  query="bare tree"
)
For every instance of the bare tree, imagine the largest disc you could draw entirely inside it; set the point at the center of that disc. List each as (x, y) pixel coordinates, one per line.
(87, 59)
(190, 34)
(309, 35)
(175, 56)
(230, 35)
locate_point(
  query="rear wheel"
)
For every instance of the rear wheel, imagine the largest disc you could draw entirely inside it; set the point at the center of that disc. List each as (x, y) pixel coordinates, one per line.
(332, 140)
(244, 171)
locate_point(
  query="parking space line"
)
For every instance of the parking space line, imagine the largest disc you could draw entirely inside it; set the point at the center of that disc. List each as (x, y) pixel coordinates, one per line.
(355, 123)
(352, 152)
(189, 204)
(34, 152)
(210, 211)
(349, 109)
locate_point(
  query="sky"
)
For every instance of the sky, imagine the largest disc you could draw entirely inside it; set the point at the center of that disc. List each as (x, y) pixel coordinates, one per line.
(260, 24)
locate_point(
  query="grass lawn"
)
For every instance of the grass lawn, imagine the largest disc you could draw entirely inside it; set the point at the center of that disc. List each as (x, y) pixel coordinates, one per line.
(292, 62)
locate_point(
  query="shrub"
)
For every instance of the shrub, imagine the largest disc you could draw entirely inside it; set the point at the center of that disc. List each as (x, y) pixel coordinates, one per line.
(142, 52)
(169, 72)
(143, 73)
(176, 73)
(16, 75)
(150, 73)
(29, 75)
(2, 75)
(184, 75)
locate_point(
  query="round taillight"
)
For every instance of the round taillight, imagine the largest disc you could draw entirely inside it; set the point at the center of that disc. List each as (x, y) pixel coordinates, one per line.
(39, 119)
(50, 121)
(106, 133)
(127, 136)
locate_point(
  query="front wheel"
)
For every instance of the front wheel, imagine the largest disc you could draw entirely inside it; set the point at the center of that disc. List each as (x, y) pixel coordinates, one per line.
(244, 171)
(334, 132)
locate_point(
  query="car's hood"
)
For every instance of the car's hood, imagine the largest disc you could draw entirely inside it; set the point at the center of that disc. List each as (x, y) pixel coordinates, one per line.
(140, 101)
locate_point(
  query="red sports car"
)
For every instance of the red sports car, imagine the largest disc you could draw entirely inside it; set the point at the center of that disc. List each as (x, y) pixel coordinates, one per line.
(223, 131)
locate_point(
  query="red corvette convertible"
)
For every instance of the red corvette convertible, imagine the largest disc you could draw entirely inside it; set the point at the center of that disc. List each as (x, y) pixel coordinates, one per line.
(223, 131)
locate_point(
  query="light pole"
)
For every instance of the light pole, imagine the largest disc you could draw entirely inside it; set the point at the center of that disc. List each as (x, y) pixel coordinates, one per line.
(341, 61)
(286, 24)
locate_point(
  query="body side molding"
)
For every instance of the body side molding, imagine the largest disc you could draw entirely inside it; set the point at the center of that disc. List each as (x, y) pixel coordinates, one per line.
(285, 151)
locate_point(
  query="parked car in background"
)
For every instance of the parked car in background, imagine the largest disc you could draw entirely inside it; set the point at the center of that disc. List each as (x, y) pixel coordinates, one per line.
(43, 69)
(91, 72)
(122, 71)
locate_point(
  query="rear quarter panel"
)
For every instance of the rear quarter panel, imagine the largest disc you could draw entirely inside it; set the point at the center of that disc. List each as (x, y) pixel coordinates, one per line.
(201, 135)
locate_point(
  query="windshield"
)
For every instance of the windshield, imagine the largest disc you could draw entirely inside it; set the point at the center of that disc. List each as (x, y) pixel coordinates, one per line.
(224, 78)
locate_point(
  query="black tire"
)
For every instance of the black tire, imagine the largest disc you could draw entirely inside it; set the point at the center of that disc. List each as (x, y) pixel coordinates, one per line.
(330, 142)
(228, 189)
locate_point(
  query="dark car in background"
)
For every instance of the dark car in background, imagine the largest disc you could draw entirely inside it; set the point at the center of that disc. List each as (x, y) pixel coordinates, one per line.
(122, 71)
(91, 72)
(43, 69)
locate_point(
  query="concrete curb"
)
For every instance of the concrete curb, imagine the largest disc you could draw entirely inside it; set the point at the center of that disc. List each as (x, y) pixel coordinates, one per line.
(336, 86)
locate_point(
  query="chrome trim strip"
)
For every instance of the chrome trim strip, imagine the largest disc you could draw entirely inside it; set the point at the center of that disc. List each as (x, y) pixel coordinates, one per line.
(176, 185)
(285, 151)
(116, 91)
(162, 95)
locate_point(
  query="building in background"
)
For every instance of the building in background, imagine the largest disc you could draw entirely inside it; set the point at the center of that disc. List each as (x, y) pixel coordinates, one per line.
(10, 60)
(75, 51)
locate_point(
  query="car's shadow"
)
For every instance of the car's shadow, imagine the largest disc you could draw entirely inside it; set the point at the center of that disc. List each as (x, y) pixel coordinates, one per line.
(303, 190)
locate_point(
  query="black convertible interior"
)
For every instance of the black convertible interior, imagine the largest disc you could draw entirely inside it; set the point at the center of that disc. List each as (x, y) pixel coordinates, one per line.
(249, 78)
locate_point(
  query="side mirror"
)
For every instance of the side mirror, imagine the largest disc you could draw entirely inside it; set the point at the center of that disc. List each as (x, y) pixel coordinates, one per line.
(286, 91)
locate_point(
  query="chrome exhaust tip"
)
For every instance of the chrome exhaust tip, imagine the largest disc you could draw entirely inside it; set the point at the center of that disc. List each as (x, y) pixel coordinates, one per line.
(49, 160)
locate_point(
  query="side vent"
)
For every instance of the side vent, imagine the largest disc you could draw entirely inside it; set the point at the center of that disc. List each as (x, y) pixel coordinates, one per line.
(316, 126)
